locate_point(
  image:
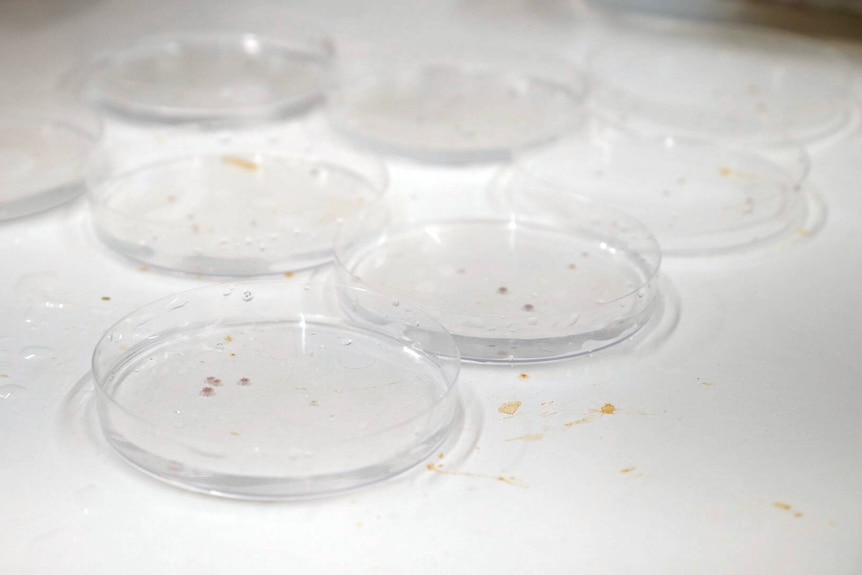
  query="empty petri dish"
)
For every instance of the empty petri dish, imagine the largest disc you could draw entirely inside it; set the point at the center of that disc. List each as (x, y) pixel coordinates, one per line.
(720, 81)
(227, 206)
(43, 157)
(457, 112)
(222, 76)
(697, 197)
(553, 279)
(270, 390)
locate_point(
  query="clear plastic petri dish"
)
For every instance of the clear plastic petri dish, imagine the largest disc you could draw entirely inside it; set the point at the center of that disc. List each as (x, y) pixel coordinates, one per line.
(271, 390)
(454, 111)
(696, 196)
(231, 205)
(44, 151)
(554, 278)
(720, 81)
(216, 76)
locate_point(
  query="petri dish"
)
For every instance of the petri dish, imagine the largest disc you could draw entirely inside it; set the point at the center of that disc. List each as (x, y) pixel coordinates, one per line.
(270, 390)
(455, 112)
(720, 81)
(44, 152)
(697, 197)
(227, 206)
(224, 76)
(551, 279)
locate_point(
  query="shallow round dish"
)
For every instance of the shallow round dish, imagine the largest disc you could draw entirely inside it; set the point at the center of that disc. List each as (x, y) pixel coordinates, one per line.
(211, 77)
(269, 390)
(554, 279)
(224, 207)
(455, 113)
(721, 81)
(43, 157)
(696, 196)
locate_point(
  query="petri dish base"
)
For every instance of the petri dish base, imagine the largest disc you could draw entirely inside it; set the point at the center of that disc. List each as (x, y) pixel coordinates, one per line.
(455, 114)
(43, 159)
(255, 391)
(697, 197)
(229, 210)
(211, 77)
(536, 285)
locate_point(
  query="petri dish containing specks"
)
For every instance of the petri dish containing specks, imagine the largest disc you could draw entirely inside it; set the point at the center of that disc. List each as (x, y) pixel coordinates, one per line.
(551, 279)
(44, 151)
(216, 76)
(271, 390)
(229, 206)
(457, 112)
(720, 81)
(696, 196)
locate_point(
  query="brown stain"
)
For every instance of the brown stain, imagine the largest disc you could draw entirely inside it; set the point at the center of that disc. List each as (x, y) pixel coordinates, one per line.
(782, 506)
(235, 433)
(608, 409)
(510, 480)
(288, 275)
(805, 233)
(228, 338)
(725, 172)
(627, 470)
(510, 408)
(524, 376)
(240, 163)
(502, 290)
(233, 354)
(143, 269)
(579, 421)
(530, 437)
(106, 298)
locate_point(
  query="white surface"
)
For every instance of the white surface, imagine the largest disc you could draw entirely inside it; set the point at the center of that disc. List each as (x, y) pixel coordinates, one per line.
(740, 428)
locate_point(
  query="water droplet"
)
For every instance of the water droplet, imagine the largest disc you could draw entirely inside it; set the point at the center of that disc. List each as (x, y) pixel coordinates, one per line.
(36, 354)
(115, 336)
(247, 296)
(10, 390)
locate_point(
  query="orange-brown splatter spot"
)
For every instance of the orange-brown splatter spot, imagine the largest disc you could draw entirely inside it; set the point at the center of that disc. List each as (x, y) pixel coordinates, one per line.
(525, 376)
(240, 163)
(235, 433)
(233, 354)
(431, 467)
(782, 506)
(440, 456)
(529, 437)
(510, 408)
(288, 275)
(797, 514)
(228, 338)
(725, 172)
(805, 233)
(143, 269)
(627, 470)
(608, 409)
(106, 298)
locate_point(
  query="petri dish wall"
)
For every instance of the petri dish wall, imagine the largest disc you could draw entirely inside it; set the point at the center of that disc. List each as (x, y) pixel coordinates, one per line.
(269, 390)
(554, 278)
(45, 146)
(719, 81)
(229, 203)
(696, 196)
(450, 107)
(212, 76)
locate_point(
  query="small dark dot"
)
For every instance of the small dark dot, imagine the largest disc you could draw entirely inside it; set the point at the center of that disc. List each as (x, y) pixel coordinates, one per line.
(106, 298)
(243, 381)
(207, 391)
(529, 307)
(524, 376)
(210, 379)
(502, 290)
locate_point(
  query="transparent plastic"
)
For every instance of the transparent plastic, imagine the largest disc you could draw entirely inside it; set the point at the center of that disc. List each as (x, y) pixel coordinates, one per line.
(228, 204)
(555, 278)
(453, 108)
(271, 390)
(720, 81)
(696, 196)
(44, 150)
(217, 76)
